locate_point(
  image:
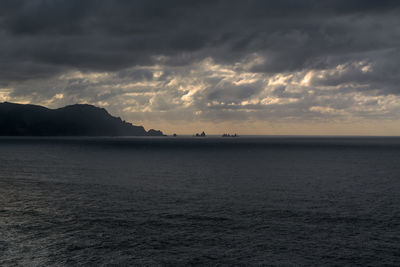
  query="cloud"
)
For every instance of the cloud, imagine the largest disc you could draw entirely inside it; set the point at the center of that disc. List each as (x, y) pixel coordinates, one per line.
(205, 60)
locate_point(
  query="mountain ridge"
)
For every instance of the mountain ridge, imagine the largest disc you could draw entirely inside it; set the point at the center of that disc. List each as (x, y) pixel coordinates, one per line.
(72, 120)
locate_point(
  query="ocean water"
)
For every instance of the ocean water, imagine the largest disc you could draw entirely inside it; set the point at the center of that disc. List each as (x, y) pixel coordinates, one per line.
(286, 201)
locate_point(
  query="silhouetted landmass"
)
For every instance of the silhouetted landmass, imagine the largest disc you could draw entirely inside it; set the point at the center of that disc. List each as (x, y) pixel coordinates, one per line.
(74, 120)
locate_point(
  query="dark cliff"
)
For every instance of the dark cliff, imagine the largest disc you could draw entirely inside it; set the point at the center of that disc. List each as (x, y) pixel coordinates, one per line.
(74, 120)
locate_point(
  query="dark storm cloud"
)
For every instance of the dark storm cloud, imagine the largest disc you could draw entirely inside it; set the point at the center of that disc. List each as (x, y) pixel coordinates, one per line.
(111, 35)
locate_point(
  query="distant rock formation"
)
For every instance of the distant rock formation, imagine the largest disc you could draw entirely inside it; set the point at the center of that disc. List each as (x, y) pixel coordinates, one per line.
(229, 135)
(203, 134)
(74, 120)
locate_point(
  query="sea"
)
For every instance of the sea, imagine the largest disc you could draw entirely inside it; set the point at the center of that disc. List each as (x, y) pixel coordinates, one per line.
(212, 201)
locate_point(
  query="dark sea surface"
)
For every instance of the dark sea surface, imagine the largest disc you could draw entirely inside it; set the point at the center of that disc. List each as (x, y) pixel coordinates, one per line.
(284, 201)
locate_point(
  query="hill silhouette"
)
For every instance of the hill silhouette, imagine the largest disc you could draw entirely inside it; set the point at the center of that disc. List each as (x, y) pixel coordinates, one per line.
(74, 120)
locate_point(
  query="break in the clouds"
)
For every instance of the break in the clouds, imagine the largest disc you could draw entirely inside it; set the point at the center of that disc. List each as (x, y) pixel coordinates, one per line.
(181, 64)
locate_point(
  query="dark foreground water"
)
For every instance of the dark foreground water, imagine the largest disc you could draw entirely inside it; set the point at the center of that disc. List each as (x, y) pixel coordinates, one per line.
(212, 201)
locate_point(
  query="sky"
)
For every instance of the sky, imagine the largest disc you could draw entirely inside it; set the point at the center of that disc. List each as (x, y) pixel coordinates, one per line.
(290, 67)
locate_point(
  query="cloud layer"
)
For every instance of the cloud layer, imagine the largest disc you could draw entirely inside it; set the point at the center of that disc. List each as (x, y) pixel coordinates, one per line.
(212, 62)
